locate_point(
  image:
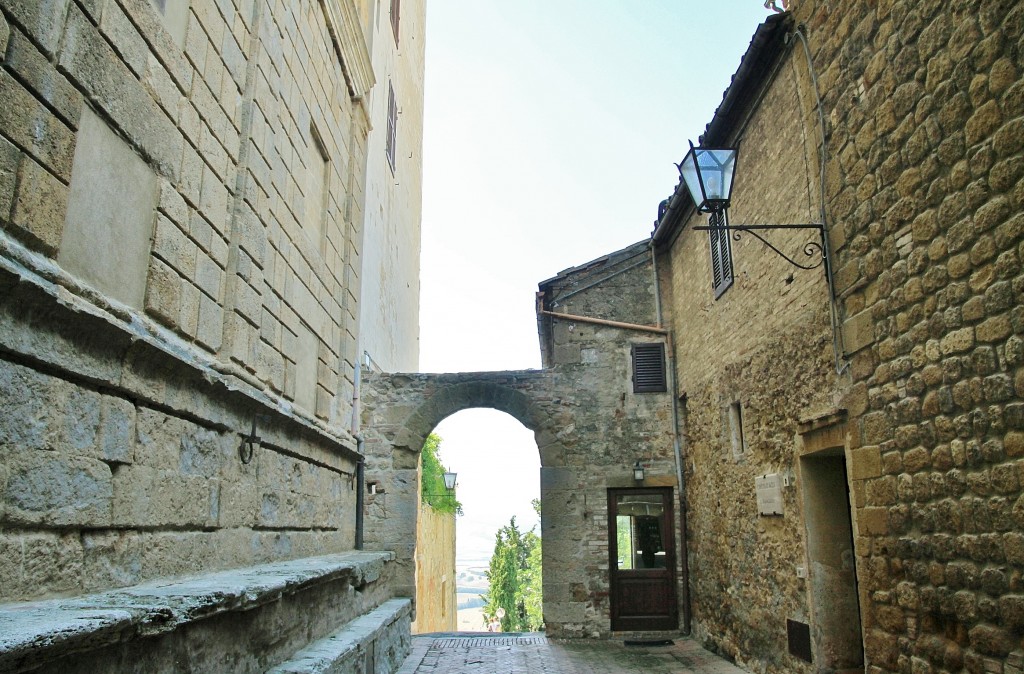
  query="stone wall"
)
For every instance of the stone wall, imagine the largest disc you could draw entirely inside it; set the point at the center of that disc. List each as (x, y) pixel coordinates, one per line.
(390, 302)
(589, 425)
(581, 454)
(182, 190)
(436, 584)
(925, 189)
(751, 364)
(922, 192)
(615, 427)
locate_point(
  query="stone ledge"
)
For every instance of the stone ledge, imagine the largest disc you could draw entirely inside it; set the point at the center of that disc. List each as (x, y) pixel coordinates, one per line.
(35, 633)
(342, 650)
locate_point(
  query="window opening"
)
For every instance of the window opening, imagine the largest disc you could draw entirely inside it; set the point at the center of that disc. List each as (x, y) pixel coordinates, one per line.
(316, 188)
(638, 540)
(739, 443)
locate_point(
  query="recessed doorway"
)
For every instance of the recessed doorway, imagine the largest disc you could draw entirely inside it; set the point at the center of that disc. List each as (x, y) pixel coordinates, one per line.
(836, 626)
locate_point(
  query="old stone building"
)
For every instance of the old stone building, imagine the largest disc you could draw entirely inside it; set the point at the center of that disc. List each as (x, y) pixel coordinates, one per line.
(209, 222)
(849, 435)
(205, 256)
(830, 463)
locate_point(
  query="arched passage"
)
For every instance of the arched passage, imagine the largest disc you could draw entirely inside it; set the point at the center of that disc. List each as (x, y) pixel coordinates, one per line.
(498, 469)
(400, 411)
(589, 431)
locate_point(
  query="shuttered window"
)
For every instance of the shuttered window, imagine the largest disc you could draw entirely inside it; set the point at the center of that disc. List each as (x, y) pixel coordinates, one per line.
(395, 6)
(392, 126)
(721, 254)
(649, 368)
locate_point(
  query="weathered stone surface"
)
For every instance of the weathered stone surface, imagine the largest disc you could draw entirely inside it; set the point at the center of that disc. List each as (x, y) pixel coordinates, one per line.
(107, 232)
(120, 443)
(383, 631)
(101, 630)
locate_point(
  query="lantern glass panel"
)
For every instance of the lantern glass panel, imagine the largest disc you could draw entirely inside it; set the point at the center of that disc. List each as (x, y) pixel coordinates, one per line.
(708, 175)
(716, 168)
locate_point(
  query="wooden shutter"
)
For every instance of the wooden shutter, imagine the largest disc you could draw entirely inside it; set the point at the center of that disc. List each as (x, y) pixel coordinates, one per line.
(392, 126)
(721, 254)
(649, 368)
(395, 6)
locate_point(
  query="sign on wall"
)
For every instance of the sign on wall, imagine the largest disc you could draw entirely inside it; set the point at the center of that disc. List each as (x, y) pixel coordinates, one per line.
(769, 494)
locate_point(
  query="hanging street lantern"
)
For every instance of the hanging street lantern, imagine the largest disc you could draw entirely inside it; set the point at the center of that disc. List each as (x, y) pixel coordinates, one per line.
(449, 481)
(708, 174)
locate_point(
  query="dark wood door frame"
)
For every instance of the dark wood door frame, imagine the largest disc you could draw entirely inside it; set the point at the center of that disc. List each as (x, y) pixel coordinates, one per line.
(643, 599)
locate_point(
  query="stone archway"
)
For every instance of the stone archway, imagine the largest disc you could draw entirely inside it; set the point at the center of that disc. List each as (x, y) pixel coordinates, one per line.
(400, 410)
(588, 435)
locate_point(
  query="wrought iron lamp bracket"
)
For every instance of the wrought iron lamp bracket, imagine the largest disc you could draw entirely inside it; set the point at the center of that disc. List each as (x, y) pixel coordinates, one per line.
(811, 249)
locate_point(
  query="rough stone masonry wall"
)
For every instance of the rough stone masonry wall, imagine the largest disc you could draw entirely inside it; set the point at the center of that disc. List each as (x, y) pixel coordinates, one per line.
(611, 428)
(924, 101)
(589, 428)
(765, 343)
(180, 193)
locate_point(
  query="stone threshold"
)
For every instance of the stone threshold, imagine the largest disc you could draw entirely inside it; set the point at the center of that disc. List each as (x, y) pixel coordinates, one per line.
(34, 633)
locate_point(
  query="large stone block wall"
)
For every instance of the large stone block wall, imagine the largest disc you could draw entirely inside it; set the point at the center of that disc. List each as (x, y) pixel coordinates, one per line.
(181, 204)
(131, 466)
(924, 185)
(765, 345)
(238, 226)
(389, 306)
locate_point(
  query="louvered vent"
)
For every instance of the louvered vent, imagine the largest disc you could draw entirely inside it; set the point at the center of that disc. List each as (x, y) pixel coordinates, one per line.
(649, 368)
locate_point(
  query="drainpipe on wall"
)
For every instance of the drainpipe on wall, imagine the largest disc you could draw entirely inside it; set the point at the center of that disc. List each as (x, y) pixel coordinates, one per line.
(680, 479)
(361, 466)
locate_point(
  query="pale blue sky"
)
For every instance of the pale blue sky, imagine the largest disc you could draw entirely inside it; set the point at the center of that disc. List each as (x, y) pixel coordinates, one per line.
(551, 128)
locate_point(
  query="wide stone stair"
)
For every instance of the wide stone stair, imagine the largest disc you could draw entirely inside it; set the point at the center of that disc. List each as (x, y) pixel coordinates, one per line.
(333, 613)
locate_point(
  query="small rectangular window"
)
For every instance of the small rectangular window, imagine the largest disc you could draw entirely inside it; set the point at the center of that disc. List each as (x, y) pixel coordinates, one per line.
(395, 6)
(392, 126)
(649, 368)
(721, 253)
(736, 439)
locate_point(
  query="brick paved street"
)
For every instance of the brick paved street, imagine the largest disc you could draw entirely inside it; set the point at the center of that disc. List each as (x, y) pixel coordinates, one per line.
(535, 654)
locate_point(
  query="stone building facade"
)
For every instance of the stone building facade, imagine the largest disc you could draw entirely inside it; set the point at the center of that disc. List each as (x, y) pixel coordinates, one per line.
(850, 440)
(924, 191)
(590, 426)
(192, 224)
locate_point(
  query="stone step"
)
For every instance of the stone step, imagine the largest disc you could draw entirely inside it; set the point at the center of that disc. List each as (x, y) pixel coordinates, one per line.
(239, 620)
(377, 641)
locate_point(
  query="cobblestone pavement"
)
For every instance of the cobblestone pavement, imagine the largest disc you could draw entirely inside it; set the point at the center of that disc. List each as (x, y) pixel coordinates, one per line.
(535, 654)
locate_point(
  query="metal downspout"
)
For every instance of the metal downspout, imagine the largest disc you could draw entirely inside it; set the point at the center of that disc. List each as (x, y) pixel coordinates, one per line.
(680, 479)
(361, 466)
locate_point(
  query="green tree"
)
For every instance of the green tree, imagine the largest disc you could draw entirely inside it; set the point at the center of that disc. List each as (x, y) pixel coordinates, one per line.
(514, 580)
(432, 489)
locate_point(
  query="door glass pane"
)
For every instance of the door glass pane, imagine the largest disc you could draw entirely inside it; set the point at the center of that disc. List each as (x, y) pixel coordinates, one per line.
(638, 541)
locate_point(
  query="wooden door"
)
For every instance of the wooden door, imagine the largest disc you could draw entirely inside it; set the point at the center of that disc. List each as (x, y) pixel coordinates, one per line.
(642, 560)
